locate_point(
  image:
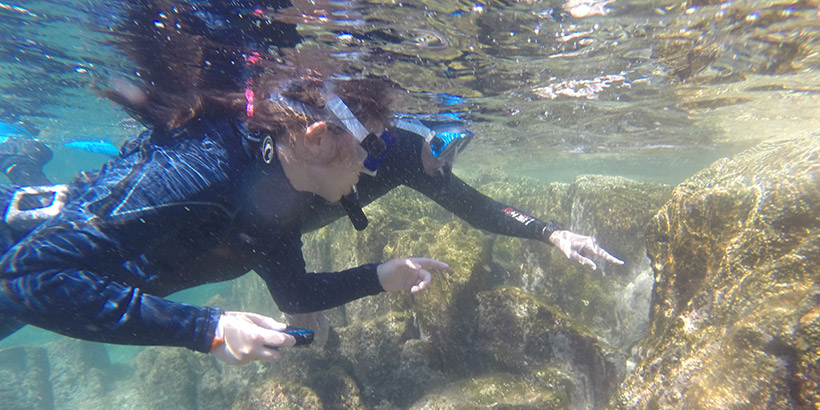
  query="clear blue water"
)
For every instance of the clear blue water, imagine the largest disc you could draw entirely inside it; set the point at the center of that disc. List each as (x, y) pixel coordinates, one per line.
(653, 90)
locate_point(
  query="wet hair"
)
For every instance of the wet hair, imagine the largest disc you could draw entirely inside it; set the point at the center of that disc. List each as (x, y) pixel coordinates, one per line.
(367, 98)
(186, 73)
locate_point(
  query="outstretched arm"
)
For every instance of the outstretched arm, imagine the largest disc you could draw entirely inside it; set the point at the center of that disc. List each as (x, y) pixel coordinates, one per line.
(486, 213)
(296, 291)
(481, 211)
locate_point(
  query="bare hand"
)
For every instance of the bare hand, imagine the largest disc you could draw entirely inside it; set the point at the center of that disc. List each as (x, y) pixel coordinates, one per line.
(581, 248)
(315, 321)
(243, 337)
(407, 273)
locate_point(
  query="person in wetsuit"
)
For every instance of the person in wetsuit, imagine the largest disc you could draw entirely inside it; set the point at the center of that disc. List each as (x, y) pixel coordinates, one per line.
(413, 162)
(216, 188)
(410, 162)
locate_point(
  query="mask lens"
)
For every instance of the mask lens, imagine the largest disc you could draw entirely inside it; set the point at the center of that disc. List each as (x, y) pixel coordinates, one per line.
(445, 143)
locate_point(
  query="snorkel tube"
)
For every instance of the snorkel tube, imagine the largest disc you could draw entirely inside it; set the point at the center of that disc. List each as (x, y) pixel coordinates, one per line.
(353, 208)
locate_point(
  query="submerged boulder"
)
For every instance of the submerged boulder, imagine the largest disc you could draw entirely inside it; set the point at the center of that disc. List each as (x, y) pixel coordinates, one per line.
(736, 255)
(614, 300)
(398, 347)
(389, 361)
(24, 379)
(541, 389)
(517, 333)
(81, 374)
(278, 395)
(167, 378)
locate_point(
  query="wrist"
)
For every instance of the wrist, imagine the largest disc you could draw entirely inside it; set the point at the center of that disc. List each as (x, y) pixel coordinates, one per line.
(380, 275)
(549, 228)
(219, 334)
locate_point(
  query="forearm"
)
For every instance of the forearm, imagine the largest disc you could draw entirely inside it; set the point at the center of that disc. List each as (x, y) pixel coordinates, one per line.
(483, 212)
(311, 292)
(83, 305)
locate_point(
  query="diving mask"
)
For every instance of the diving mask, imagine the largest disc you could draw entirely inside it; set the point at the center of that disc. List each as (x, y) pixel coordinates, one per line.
(446, 133)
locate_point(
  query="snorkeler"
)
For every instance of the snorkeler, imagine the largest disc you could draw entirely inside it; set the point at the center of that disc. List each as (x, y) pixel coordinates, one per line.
(215, 189)
(421, 158)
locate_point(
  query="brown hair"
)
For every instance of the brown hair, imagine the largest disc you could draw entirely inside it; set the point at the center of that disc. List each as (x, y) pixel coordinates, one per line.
(369, 99)
(185, 75)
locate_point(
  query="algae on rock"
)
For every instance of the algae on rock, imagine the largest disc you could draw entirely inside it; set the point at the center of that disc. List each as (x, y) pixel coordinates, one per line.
(541, 389)
(736, 256)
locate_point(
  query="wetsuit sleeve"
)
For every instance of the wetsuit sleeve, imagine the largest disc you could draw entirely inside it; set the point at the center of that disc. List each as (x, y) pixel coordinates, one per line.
(480, 210)
(67, 275)
(296, 291)
(81, 304)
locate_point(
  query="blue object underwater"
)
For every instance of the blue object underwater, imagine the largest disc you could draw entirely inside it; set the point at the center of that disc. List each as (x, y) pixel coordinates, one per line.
(8, 130)
(98, 146)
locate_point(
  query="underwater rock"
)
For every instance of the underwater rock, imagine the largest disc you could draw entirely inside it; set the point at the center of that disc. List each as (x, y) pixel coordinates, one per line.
(515, 332)
(616, 211)
(24, 379)
(542, 389)
(388, 360)
(736, 256)
(168, 378)
(446, 310)
(614, 300)
(395, 347)
(277, 395)
(80, 374)
(323, 374)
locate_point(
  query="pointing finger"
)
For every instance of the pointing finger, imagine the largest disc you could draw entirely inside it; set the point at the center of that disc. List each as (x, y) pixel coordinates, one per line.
(611, 259)
(429, 263)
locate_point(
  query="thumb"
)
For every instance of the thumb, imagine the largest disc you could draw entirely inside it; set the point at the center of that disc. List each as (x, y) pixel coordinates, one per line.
(265, 321)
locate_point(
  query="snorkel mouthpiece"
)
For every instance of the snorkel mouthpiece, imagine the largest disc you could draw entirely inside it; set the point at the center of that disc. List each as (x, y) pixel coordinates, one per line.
(377, 149)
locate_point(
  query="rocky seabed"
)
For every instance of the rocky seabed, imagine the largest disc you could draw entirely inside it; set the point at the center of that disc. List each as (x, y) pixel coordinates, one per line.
(717, 307)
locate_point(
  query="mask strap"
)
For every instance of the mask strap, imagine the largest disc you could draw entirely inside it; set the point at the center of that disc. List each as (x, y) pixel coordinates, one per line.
(345, 116)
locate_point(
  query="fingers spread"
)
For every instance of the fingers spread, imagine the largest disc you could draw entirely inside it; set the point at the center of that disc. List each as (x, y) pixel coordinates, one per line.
(603, 254)
(588, 263)
(583, 260)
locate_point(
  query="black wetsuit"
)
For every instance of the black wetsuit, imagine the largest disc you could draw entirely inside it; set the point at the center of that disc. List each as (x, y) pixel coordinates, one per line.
(164, 270)
(165, 217)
